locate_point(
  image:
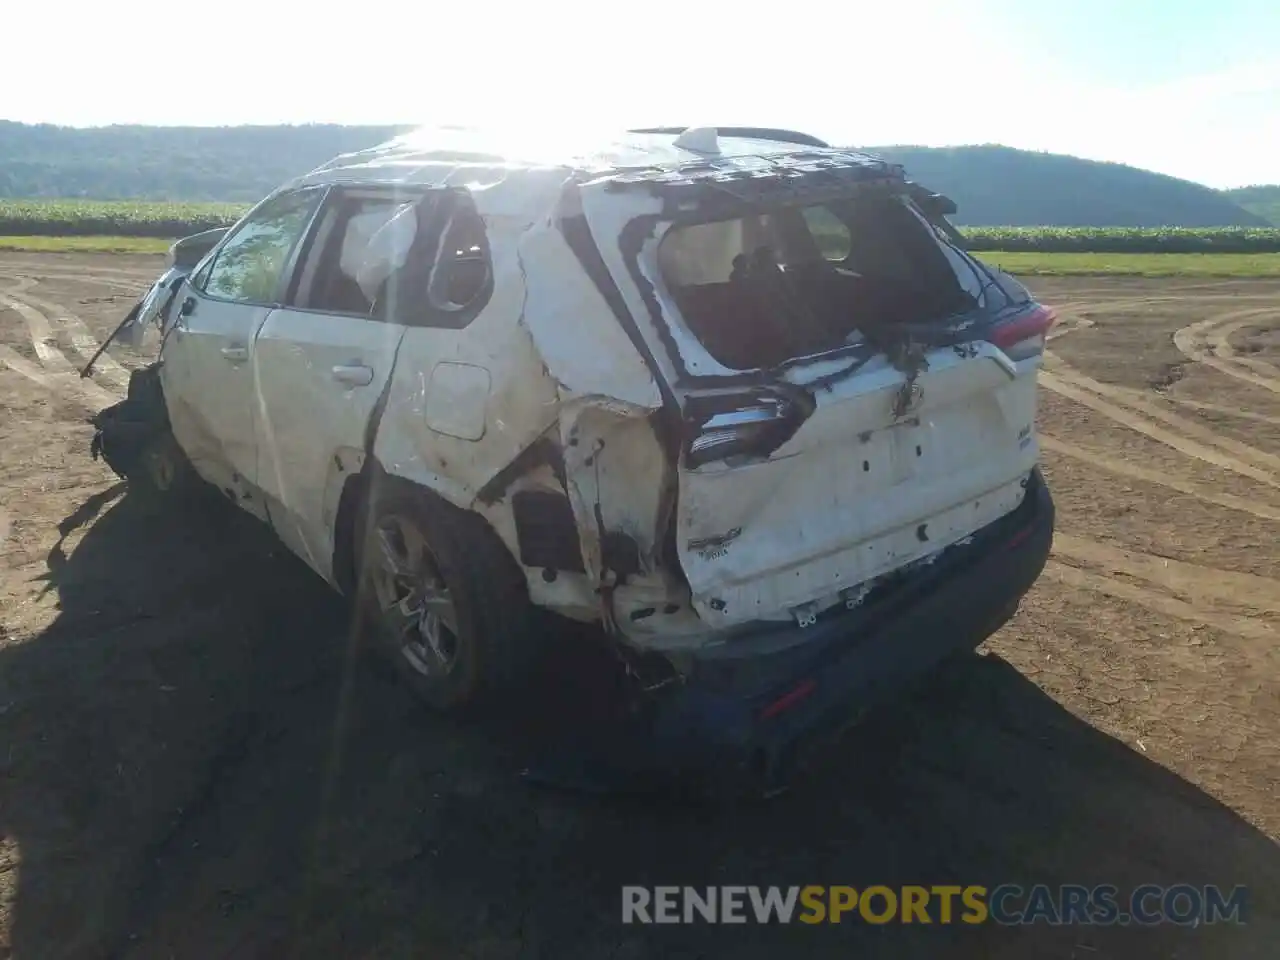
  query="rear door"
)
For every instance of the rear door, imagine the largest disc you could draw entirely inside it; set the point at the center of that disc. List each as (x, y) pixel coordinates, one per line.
(207, 374)
(789, 499)
(322, 361)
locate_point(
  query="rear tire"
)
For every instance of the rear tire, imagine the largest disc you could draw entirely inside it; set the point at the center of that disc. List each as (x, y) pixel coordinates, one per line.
(440, 598)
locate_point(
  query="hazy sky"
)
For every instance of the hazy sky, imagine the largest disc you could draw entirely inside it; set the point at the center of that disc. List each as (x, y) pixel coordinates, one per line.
(1186, 88)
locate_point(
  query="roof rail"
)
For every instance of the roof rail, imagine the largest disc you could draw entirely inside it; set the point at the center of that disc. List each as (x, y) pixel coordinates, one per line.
(750, 133)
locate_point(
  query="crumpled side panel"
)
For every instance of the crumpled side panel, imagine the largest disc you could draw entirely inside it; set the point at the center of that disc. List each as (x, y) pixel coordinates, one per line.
(518, 404)
(582, 343)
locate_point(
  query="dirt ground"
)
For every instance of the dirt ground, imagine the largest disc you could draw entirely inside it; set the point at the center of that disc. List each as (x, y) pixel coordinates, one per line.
(191, 766)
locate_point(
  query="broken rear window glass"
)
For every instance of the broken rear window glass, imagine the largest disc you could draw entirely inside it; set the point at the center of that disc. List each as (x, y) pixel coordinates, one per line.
(794, 281)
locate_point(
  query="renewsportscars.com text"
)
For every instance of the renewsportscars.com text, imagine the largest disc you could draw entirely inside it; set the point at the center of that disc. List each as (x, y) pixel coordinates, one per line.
(1007, 904)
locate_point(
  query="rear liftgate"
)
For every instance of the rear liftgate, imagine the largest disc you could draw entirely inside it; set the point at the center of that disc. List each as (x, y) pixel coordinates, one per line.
(800, 484)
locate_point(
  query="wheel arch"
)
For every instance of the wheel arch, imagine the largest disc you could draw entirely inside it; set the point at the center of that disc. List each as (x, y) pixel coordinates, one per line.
(354, 492)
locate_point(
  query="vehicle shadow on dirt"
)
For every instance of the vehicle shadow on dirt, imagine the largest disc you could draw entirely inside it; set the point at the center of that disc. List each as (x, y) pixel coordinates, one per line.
(193, 765)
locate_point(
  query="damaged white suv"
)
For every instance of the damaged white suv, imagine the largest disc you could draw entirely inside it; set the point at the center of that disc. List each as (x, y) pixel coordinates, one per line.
(737, 396)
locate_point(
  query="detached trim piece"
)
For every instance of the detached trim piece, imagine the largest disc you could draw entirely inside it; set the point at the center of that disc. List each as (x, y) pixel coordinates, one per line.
(746, 133)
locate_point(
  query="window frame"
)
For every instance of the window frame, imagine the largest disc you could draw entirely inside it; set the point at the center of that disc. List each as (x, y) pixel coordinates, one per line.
(201, 274)
(839, 220)
(456, 315)
(431, 227)
(317, 248)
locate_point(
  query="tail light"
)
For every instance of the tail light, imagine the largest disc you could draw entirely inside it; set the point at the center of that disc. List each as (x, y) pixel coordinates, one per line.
(1024, 335)
(738, 426)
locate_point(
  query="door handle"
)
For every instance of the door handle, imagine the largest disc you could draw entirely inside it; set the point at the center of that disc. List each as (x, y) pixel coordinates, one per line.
(353, 374)
(235, 354)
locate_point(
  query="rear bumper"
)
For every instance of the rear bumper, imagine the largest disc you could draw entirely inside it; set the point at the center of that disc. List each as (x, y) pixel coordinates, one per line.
(754, 707)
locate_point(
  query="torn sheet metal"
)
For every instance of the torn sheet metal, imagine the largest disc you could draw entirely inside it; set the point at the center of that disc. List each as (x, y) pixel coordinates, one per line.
(584, 348)
(616, 474)
(486, 430)
(151, 311)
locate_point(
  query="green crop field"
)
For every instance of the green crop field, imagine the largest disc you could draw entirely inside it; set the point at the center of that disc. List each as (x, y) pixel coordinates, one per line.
(120, 218)
(1030, 263)
(116, 219)
(98, 244)
(1125, 239)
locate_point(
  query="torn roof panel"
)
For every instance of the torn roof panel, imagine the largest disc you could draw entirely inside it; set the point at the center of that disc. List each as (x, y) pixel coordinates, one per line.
(453, 156)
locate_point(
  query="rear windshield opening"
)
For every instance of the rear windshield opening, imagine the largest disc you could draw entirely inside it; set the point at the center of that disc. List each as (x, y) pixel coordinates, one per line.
(767, 287)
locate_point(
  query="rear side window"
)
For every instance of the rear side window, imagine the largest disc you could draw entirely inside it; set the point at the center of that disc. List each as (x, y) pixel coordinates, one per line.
(829, 232)
(462, 272)
(421, 260)
(251, 262)
(360, 244)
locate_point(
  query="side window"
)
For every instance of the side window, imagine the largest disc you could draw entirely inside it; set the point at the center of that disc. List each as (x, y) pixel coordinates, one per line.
(829, 232)
(414, 260)
(361, 244)
(462, 275)
(249, 265)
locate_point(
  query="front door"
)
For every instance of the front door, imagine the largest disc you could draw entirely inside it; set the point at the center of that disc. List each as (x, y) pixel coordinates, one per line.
(207, 372)
(322, 361)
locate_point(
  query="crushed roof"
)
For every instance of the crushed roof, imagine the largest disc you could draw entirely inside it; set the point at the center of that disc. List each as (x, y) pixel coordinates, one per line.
(445, 156)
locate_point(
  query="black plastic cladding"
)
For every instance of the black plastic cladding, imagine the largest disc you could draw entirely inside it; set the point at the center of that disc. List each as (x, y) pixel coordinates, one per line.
(546, 531)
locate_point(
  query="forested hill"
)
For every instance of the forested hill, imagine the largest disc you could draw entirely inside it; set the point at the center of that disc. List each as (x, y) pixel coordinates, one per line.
(1262, 200)
(167, 163)
(996, 185)
(991, 184)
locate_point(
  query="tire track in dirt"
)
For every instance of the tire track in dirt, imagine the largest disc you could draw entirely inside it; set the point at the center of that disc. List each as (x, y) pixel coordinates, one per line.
(64, 382)
(1220, 341)
(39, 332)
(1068, 322)
(54, 371)
(20, 364)
(1074, 308)
(77, 333)
(1061, 372)
(34, 265)
(1185, 591)
(1193, 342)
(1142, 425)
(1221, 408)
(1076, 323)
(131, 285)
(1191, 488)
(1208, 586)
(1248, 628)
